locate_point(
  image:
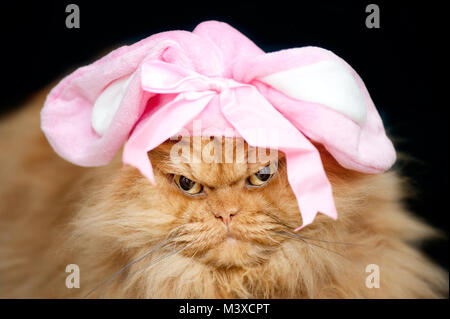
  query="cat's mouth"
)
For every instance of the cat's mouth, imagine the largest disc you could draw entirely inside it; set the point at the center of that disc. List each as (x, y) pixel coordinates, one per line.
(231, 239)
(232, 248)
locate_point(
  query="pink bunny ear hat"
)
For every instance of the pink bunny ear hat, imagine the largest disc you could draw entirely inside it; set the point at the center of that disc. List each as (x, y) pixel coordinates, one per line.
(143, 94)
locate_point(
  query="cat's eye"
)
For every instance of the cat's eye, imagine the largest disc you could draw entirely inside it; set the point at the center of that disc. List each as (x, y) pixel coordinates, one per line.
(263, 175)
(187, 185)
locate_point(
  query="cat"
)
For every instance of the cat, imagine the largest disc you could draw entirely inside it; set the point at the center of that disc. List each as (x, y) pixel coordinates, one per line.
(223, 239)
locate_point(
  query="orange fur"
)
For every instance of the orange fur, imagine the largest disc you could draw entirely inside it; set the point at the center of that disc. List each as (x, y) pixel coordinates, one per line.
(53, 213)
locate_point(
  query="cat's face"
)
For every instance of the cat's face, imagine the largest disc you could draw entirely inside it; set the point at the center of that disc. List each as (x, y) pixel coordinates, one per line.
(230, 214)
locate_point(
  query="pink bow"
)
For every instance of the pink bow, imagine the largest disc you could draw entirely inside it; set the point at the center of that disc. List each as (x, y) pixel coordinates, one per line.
(243, 106)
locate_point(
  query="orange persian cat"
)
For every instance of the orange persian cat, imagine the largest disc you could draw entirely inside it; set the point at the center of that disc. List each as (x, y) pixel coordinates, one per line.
(205, 231)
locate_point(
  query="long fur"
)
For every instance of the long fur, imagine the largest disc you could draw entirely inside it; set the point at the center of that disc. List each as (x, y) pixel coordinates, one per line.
(133, 240)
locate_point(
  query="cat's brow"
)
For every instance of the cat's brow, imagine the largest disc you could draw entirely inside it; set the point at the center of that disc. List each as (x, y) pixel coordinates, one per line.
(218, 174)
(212, 175)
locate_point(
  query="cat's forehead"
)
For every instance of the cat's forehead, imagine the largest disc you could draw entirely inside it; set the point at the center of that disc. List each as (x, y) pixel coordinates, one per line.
(213, 162)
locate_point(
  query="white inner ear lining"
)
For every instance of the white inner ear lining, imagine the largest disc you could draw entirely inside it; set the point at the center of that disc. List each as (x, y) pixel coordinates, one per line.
(107, 103)
(326, 82)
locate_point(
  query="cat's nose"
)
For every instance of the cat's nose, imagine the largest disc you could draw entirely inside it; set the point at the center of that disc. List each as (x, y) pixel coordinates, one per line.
(226, 217)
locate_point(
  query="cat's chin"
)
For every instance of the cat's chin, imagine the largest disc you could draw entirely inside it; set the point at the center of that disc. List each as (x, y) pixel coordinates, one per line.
(233, 252)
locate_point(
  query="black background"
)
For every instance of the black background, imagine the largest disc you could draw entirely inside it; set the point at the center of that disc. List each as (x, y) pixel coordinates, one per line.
(396, 62)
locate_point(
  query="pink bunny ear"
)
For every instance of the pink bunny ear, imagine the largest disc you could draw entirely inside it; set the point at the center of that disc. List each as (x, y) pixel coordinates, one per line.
(89, 115)
(326, 100)
(91, 137)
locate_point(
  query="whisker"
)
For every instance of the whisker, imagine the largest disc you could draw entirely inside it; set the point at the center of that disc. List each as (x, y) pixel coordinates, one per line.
(292, 236)
(327, 249)
(276, 241)
(151, 264)
(279, 222)
(318, 239)
(331, 242)
(157, 261)
(127, 266)
(193, 255)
